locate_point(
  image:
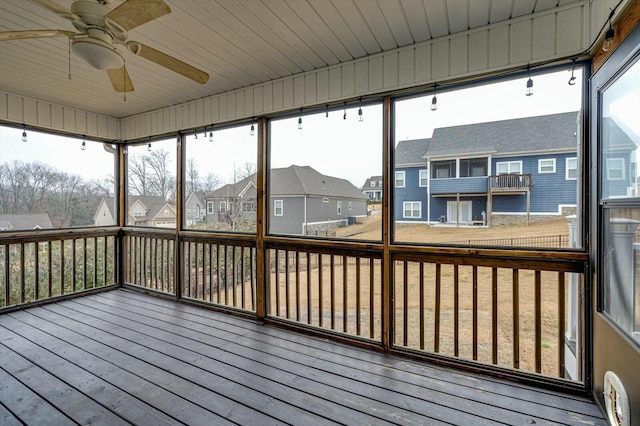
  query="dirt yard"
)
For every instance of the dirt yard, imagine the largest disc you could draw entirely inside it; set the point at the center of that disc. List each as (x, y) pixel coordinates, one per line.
(354, 303)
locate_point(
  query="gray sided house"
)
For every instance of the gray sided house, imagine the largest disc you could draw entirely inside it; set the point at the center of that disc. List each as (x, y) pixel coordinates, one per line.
(25, 221)
(195, 208)
(489, 172)
(233, 202)
(372, 188)
(302, 201)
(143, 211)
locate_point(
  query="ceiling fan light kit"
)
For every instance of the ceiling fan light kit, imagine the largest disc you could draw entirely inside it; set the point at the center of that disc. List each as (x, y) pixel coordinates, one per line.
(101, 30)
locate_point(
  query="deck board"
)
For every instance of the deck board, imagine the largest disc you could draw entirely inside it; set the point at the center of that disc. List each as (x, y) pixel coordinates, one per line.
(122, 357)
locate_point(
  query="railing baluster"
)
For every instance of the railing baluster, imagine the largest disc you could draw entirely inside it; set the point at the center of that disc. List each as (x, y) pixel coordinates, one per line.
(320, 292)
(84, 263)
(61, 267)
(371, 301)
(297, 285)
(7, 269)
(226, 276)
(561, 323)
(494, 315)
(538, 321)
(73, 264)
(287, 292)
(475, 312)
(436, 333)
(421, 296)
(242, 277)
(233, 275)
(22, 273)
(217, 273)
(345, 307)
(95, 262)
(36, 271)
(516, 318)
(456, 311)
(309, 288)
(104, 260)
(358, 297)
(405, 303)
(252, 277)
(50, 269)
(333, 293)
(277, 273)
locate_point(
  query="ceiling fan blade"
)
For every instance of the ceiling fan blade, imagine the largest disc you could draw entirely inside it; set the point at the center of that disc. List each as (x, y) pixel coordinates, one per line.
(120, 79)
(52, 6)
(167, 61)
(133, 13)
(26, 34)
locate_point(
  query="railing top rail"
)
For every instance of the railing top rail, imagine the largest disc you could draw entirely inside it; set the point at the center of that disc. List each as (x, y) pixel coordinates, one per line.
(56, 234)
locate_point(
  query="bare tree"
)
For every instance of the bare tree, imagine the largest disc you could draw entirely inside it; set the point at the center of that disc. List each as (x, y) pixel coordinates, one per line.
(244, 171)
(162, 182)
(211, 182)
(138, 178)
(193, 176)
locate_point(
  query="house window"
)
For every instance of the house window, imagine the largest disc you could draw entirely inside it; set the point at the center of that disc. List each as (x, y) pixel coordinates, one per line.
(380, 183)
(44, 247)
(350, 205)
(209, 207)
(138, 213)
(412, 209)
(546, 165)
(615, 168)
(278, 208)
(572, 168)
(249, 206)
(373, 184)
(400, 179)
(325, 200)
(339, 204)
(223, 207)
(473, 167)
(423, 179)
(189, 211)
(443, 169)
(166, 212)
(509, 168)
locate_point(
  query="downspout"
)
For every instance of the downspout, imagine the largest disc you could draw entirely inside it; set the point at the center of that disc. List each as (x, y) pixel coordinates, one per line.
(428, 191)
(304, 222)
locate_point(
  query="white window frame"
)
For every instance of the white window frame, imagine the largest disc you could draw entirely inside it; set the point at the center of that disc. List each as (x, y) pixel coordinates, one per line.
(339, 207)
(618, 160)
(422, 178)
(509, 166)
(138, 213)
(400, 173)
(278, 208)
(411, 209)
(373, 183)
(543, 163)
(222, 207)
(209, 207)
(350, 205)
(568, 168)
(189, 212)
(325, 200)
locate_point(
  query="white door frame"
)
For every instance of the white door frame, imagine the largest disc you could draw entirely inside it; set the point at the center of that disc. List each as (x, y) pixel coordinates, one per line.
(465, 206)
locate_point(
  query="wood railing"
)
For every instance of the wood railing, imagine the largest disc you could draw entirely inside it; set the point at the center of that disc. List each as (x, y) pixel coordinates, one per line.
(220, 271)
(338, 290)
(150, 260)
(44, 265)
(510, 182)
(502, 312)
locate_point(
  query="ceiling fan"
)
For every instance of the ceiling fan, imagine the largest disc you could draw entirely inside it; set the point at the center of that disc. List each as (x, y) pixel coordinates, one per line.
(101, 30)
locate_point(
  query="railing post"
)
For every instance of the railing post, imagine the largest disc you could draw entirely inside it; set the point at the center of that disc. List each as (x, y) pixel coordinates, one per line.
(386, 264)
(262, 260)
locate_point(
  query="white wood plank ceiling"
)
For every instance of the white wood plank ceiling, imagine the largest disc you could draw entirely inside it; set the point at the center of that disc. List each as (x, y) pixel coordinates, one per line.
(238, 42)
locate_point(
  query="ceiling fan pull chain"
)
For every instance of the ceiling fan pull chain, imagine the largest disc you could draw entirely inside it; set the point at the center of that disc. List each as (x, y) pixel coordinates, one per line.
(69, 76)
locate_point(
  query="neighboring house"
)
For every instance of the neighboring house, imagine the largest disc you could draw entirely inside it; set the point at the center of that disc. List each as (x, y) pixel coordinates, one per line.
(302, 201)
(489, 171)
(195, 208)
(618, 163)
(143, 211)
(25, 221)
(232, 202)
(372, 188)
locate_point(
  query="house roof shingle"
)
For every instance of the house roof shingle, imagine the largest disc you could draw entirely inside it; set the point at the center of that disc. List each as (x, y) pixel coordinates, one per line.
(152, 203)
(530, 134)
(25, 221)
(411, 152)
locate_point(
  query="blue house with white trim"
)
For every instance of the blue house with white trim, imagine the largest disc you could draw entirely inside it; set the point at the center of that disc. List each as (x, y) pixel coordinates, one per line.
(489, 173)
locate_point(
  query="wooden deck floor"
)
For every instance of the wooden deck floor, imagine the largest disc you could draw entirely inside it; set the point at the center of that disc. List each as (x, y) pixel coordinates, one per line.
(121, 357)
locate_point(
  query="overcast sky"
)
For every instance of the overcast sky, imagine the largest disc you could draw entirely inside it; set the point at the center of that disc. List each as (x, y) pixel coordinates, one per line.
(334, 146)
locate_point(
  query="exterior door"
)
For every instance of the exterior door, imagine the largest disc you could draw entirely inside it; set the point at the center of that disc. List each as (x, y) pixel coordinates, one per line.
(615, 230)
(452, 211)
